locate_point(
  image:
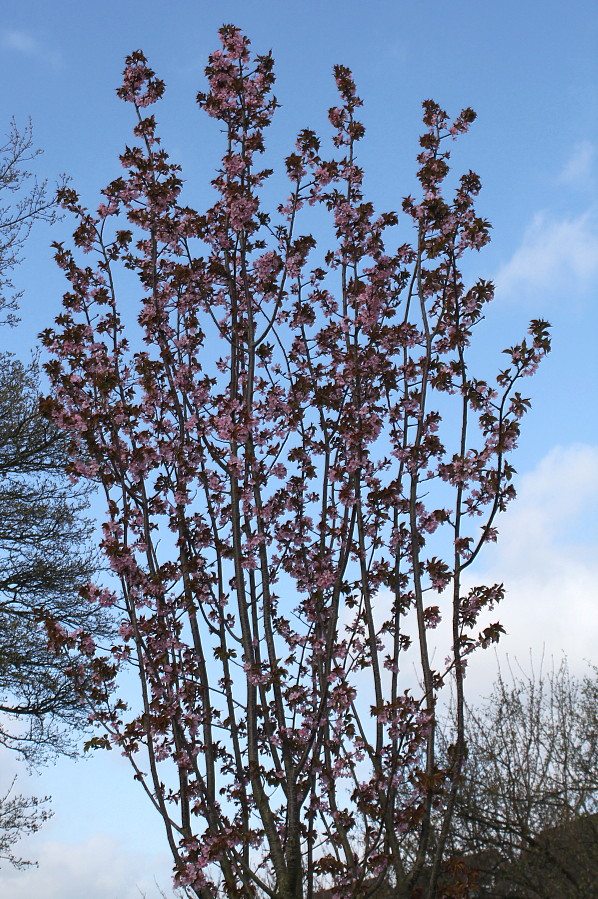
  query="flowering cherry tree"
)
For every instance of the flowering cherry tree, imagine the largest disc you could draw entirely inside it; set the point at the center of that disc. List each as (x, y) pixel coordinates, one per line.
(288, 518)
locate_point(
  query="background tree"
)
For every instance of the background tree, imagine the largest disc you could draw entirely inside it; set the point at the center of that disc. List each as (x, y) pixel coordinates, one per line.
(19, 816)
(45, 554)
(528, 812)
(282, 508)
(23, 201)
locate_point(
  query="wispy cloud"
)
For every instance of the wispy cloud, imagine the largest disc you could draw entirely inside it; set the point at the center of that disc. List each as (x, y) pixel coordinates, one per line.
(555, 254)
(97, 868)
(547, 557)
(580, 168)
(28, 45)
(559, 253)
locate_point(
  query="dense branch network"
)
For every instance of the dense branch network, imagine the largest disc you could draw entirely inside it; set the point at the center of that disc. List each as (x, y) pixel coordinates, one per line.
(23, 201)
(286, 519)
(44, 546)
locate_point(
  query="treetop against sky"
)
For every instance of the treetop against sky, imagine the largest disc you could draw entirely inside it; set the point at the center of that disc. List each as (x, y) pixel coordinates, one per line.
(517, 68)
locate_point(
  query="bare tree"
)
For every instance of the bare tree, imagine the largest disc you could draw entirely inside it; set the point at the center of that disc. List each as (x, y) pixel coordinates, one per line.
(23, 200)
(527, 815)
(46, 558)
(45, 555)
(19, 816)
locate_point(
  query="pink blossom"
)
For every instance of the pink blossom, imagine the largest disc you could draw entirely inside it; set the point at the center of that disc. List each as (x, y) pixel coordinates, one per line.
(285, 428)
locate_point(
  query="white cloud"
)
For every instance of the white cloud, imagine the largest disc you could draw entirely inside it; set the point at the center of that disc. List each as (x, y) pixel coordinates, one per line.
(18, 40)
(555, 255)
(25, 43)
(98, 868)
(580, 167)
(547, 557)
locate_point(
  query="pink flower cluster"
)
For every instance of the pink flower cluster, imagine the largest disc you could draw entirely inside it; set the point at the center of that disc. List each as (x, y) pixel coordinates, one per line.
(296, 455)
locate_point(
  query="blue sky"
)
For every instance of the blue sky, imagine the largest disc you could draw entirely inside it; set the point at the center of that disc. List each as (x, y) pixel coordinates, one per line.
(530, 71)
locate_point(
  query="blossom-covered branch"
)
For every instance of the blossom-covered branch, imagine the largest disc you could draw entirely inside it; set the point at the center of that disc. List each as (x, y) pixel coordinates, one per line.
(298, 464)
